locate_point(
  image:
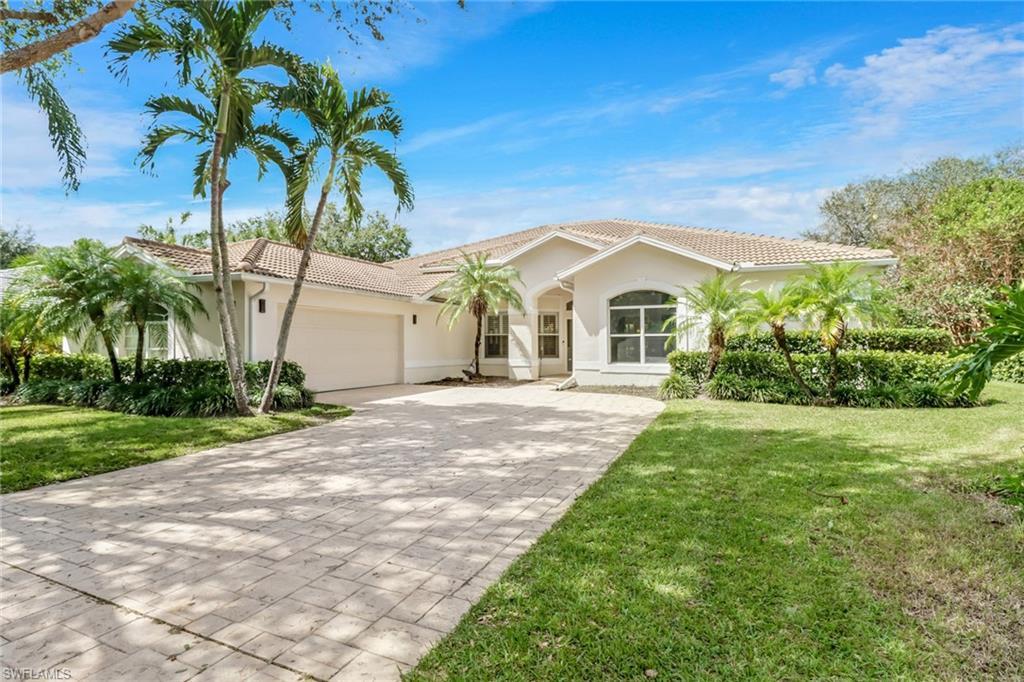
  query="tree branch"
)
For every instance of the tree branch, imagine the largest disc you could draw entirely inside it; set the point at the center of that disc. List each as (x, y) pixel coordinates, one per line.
(84, 30)
(27, 15)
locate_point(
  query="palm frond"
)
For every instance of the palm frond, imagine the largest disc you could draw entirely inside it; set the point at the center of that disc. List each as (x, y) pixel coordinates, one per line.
(66, 135)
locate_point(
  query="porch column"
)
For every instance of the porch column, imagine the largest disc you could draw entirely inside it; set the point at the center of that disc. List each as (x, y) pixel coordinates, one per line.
(522, 345)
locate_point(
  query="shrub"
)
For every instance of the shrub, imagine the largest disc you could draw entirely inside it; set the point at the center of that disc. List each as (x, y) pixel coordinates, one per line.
(206, 400)
(82, 393)
(1011, 369)
(288, 397)
(68, 367)
(678, 386)
(884, 339)
(122, 398)
(41, 391)
(190, 373)
(692, 364)
(726, 386)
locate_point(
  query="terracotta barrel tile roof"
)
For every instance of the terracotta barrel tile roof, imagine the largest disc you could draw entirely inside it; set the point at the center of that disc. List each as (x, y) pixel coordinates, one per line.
(420, 274)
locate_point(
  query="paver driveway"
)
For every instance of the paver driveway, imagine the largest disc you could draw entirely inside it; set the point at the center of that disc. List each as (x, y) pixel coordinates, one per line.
(339, 552)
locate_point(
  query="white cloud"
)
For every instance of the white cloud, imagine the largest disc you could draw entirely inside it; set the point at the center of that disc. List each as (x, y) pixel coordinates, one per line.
(112, 137)
(948, 71)
(800, 74)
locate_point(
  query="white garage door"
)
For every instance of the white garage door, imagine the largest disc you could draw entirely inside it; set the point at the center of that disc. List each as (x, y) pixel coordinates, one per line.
(345, 349)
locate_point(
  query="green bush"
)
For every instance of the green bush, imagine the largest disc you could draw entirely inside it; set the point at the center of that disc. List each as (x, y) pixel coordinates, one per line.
(678, 386)
(42, 391)
(190, 373)
(1011, 369)
(884, 339)
(68, 367)
(866, 378)
(207, 400)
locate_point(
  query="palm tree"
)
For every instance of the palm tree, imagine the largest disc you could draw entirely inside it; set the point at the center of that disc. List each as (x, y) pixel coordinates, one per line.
(478, 288)
(24, 329)
(341, 128)
(77, 289)
(218, 37)
(774, 307)
(717, 303)
(147, 290)
(832, 296)
(1001, 340)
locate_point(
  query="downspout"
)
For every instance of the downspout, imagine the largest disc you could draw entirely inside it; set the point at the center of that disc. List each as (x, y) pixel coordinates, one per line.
(571, 381)
(248, 330)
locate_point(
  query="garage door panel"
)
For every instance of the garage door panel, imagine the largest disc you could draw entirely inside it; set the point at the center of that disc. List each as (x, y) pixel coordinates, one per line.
(341, 349)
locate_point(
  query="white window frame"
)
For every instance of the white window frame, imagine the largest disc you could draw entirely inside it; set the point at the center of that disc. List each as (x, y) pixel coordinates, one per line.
(643, 333)
(149, 350)
(555, 315)
(502, 325)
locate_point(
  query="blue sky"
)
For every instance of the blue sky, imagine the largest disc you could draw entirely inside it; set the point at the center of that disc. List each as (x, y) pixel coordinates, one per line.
(739, 116)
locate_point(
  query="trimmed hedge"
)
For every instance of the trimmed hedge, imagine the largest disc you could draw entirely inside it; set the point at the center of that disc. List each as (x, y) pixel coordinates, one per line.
(1010, 370)
(866, 378)
(881, 338)
(167, 372)
(150, 399)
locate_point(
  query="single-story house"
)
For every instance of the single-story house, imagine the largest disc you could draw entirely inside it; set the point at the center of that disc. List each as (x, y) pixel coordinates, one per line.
(596, 293)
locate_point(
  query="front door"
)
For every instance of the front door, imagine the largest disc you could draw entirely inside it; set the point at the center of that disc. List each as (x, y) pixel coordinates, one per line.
(568, 344)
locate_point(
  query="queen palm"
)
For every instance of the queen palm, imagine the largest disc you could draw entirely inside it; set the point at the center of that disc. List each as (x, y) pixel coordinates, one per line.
(25, 328)
(218, 37)
(716, 303)
(77, 289)
(833, 296)
(147, 290)
(341, 127)
(774, 307)
(478, 288)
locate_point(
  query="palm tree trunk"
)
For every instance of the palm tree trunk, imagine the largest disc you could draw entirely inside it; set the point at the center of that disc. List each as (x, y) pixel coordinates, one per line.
(716, 348)
(26, 362)
(779, 332)
(476, 345)
(140, 345)
(267, 402)
(11, 363)
(115, 366)
(833, 360)
(221, 270)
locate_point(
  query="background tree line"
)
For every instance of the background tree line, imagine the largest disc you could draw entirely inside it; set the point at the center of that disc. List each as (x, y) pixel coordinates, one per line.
(957, 226)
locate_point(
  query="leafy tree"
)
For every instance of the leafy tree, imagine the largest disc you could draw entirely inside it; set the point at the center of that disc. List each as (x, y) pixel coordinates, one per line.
(1001, 340)
(77, 289)
(343, 129)
(146, 290)
(478, 288)
(374, 238)
(16, 243)
(169, 233)
(831, 298)
(219, 39)
(719, 303)
(774, 307)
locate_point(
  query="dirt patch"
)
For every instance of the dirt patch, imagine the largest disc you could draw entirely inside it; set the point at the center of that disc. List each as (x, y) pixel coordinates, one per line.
(483, 382)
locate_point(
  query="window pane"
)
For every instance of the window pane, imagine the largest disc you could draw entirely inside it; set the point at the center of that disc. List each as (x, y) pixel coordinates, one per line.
(495, 346)
(494, 324)
(641, 298)
(548, 323)
(654, 319)
(625, 321)
(655, 348)
(625, 349)
(549, 346)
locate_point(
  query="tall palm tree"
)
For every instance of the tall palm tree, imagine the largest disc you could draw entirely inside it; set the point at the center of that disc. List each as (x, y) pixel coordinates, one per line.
(833, 296)
(219, 38)
(774, 307)
(77, 288)
(341, 129)
(716, 303)
(478, 288)
(1001, 340)
(150, 289)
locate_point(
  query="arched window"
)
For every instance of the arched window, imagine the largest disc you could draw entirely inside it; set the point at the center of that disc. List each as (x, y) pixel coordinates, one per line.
(636, 321)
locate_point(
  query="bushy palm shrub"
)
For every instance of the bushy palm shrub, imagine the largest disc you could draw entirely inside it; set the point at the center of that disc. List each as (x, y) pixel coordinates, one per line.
(678, 387)
(43, 391)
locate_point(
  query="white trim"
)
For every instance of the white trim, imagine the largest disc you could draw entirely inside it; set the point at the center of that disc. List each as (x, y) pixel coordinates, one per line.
(648, 241)
(750, 267)
(530, 246)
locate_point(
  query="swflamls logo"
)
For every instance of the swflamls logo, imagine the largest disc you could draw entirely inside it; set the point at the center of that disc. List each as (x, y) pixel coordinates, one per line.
(35, 673)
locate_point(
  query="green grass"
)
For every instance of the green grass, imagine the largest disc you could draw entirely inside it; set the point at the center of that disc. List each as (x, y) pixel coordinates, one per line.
(745, 541)
(44, 444)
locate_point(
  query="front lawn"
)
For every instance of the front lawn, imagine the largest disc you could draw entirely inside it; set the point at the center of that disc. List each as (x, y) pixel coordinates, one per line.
(738, 540)
(42, 444)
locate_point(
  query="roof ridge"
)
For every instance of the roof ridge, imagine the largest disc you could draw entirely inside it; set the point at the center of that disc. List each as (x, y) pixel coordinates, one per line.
(154, 242)
(248, 262)
(740, 233)
(332, 255)
(463, 247)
